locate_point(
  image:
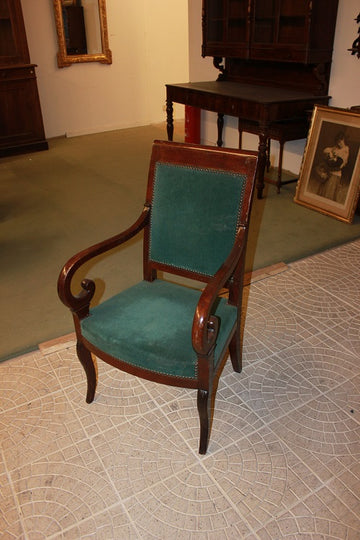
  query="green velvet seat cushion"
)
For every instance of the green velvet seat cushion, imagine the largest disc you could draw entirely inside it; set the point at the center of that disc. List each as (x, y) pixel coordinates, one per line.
(149, 325)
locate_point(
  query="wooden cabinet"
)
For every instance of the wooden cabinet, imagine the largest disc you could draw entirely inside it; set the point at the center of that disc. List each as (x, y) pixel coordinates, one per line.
(288, 31)
(21, 125)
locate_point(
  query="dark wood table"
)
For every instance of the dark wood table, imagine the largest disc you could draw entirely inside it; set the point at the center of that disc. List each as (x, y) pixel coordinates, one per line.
(271, 108)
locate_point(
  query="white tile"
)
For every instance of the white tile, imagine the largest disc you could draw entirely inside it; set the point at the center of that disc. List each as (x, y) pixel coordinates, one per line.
(42, 426)
(261, 476)
(187, 505)
(10, 522)
(112, 523)
(61, 490)
(275, 325)
(347, 334)
(25, 379)
(347, 397)
(143, 452)
(119, 399)
(284, 452)
(232, 420)
(321, 362)
(322, 515)
(323, 435)
(271, 388)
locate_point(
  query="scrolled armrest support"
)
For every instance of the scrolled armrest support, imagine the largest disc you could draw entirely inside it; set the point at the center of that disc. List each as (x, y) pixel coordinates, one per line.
(79, 303)
(206, 325)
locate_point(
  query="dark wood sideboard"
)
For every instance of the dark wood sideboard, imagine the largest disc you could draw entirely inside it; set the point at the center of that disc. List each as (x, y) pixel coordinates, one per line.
(274, 59)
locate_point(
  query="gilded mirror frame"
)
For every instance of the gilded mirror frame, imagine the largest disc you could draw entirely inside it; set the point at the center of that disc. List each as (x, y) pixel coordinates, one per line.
(63, 58)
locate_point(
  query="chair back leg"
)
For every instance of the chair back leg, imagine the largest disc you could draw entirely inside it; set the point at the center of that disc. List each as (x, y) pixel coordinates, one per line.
(235, 350)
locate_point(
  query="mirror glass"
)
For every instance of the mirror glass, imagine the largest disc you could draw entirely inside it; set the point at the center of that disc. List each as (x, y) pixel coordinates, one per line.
(82, 32)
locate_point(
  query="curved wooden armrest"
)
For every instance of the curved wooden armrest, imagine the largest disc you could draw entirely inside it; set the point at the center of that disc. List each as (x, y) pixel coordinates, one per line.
(205, 326)
(80, 303)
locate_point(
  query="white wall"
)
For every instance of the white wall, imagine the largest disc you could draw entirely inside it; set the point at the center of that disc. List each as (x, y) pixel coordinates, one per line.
(344, 81)
(149, 44)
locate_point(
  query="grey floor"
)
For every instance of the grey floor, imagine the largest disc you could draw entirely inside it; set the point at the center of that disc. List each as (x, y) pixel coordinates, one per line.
(283, 460)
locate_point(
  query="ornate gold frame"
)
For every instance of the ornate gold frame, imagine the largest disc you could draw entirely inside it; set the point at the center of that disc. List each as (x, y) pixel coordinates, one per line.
(65, 60)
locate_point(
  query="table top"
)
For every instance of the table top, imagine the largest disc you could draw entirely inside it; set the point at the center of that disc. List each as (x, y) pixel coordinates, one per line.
(250, 92)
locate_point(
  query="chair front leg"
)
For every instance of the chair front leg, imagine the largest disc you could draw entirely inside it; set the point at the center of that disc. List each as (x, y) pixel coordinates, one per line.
(204, 340)
(204, 408)
(87, 363)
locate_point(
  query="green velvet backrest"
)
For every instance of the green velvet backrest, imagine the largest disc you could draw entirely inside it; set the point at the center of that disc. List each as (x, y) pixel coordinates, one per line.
(194, 216)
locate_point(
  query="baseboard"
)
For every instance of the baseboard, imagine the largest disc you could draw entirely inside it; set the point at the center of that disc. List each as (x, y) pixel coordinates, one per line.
(263, 273)
(57, 344)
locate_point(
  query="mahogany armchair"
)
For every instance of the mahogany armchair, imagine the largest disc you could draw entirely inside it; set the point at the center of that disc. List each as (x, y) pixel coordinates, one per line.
(195, 221)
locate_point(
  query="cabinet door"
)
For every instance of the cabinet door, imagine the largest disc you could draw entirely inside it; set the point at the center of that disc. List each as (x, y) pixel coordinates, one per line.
(226, 28)
(280, 30)
(7, 42)
(293, 31)
(13, 44)
(293, 24)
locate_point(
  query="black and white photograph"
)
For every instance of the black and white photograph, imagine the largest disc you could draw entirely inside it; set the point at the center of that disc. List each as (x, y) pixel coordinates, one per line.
(330, 174)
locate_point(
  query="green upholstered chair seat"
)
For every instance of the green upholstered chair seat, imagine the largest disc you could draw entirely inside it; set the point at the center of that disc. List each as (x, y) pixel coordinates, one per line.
(149, 325)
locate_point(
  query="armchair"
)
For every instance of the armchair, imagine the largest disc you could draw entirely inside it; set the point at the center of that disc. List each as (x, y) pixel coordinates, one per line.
(195, 221)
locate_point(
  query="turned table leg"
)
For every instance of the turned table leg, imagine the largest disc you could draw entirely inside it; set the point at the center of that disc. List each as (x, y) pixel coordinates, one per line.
(220, 126)
(263, 144)
(169, 119)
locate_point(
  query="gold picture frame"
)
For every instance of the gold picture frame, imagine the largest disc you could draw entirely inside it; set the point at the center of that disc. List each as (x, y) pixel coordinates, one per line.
(329, 179)
(103, 53)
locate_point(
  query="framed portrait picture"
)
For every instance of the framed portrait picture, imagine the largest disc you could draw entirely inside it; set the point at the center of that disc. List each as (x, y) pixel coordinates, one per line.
(329, 180)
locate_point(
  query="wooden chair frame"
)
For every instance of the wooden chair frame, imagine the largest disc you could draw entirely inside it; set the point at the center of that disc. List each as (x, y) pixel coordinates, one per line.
(205, 325)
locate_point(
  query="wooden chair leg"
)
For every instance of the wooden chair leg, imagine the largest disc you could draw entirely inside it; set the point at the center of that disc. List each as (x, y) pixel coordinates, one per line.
(87, 363)
(235, 350)
(204, 408)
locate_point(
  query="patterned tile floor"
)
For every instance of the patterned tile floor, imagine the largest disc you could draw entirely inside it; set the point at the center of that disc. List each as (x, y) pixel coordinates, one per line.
(283, 460)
